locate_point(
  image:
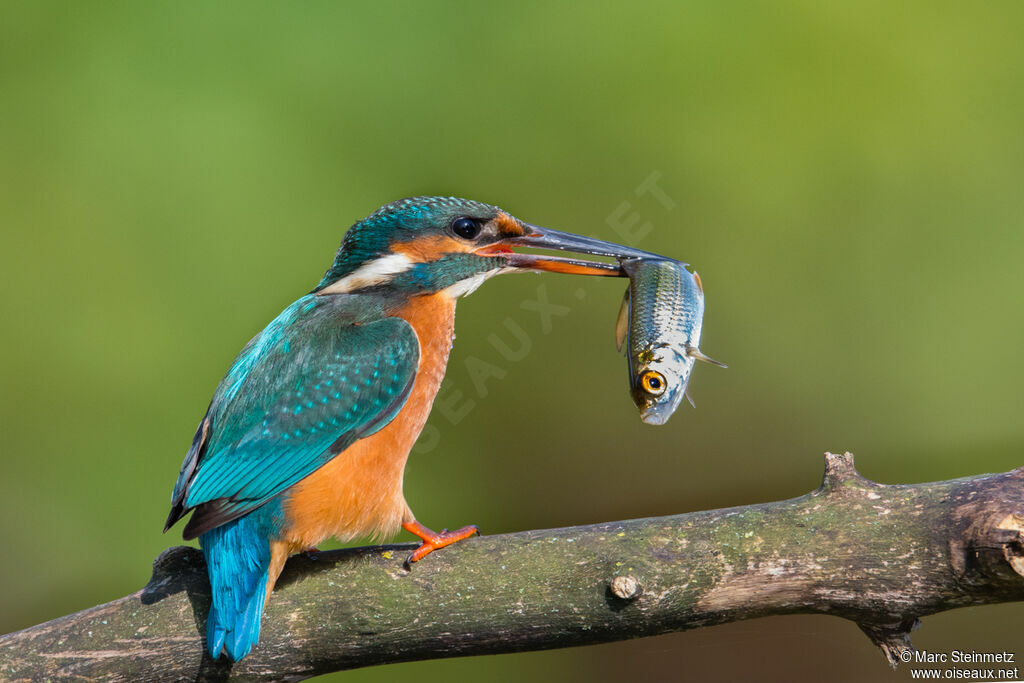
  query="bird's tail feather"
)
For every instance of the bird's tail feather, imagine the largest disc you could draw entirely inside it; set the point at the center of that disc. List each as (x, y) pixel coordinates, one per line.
(238, 562)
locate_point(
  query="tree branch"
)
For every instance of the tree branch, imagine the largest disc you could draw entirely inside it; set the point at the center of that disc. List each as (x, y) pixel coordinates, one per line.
(881, 556)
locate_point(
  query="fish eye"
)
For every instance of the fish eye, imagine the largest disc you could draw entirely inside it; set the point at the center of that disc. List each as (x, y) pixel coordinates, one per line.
(466, 228)
(653, 383)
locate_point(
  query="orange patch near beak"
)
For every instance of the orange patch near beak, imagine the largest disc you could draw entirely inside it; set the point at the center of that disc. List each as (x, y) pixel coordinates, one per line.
(509, 226)
(427, 249)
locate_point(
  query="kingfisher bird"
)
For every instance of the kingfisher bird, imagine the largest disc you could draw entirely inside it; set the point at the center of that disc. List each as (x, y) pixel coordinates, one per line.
(308, 433)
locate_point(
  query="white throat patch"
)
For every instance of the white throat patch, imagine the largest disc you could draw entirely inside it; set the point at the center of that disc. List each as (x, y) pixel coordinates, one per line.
(470, 284)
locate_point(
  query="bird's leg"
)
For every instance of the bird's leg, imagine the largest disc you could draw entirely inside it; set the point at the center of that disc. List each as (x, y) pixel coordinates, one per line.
(433, 540)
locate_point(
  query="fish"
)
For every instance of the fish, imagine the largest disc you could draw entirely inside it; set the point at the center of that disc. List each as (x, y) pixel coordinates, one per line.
(659, 326)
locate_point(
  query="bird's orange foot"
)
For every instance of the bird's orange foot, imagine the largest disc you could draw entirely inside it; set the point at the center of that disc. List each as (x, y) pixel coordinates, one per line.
(433, 540)
(313, 553)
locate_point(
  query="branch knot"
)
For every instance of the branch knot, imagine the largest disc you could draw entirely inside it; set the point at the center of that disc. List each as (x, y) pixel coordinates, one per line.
(839, 472)
(626, 587)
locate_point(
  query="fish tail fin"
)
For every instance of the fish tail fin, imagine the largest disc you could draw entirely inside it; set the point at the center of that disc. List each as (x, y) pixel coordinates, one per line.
(694, 352)
(238, 562)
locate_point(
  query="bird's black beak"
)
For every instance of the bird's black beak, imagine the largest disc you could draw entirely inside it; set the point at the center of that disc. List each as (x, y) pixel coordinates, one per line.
(546, 238)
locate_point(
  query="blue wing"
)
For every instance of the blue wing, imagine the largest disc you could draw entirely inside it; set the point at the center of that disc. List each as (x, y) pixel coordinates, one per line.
(315, 380)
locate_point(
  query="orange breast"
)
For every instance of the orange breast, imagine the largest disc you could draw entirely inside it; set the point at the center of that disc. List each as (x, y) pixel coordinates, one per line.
(359, 492)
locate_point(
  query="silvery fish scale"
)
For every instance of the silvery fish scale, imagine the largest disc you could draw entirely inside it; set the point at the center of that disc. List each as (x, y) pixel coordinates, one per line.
(660, 323)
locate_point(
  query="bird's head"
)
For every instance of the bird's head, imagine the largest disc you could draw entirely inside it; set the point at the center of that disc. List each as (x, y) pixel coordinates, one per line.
(426, 245)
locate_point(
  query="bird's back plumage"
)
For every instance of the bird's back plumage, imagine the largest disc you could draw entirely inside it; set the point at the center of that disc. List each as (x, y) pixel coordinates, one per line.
(325, 373)
(321, 375)
(359, 493)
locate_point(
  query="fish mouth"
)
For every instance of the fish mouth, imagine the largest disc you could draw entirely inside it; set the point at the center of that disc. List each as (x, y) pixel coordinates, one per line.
(537, 237)
(653, 410)
(653, 416)
(656, 410)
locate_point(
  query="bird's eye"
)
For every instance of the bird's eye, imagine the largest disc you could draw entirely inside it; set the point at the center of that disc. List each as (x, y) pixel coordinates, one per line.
(466, 228)
(653, 383)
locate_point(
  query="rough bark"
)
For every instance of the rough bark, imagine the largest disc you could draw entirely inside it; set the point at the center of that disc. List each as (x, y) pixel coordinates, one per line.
(881, 556)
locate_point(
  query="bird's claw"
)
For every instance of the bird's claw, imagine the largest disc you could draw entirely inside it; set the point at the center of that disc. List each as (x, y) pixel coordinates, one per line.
(433, 541)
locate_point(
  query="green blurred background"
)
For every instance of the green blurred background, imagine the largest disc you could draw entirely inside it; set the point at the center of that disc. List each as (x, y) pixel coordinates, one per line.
(845, 176)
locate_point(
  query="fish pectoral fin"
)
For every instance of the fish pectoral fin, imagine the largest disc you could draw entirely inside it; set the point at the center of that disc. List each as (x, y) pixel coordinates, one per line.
(695, 353)
(622, 324)
(689, 398)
